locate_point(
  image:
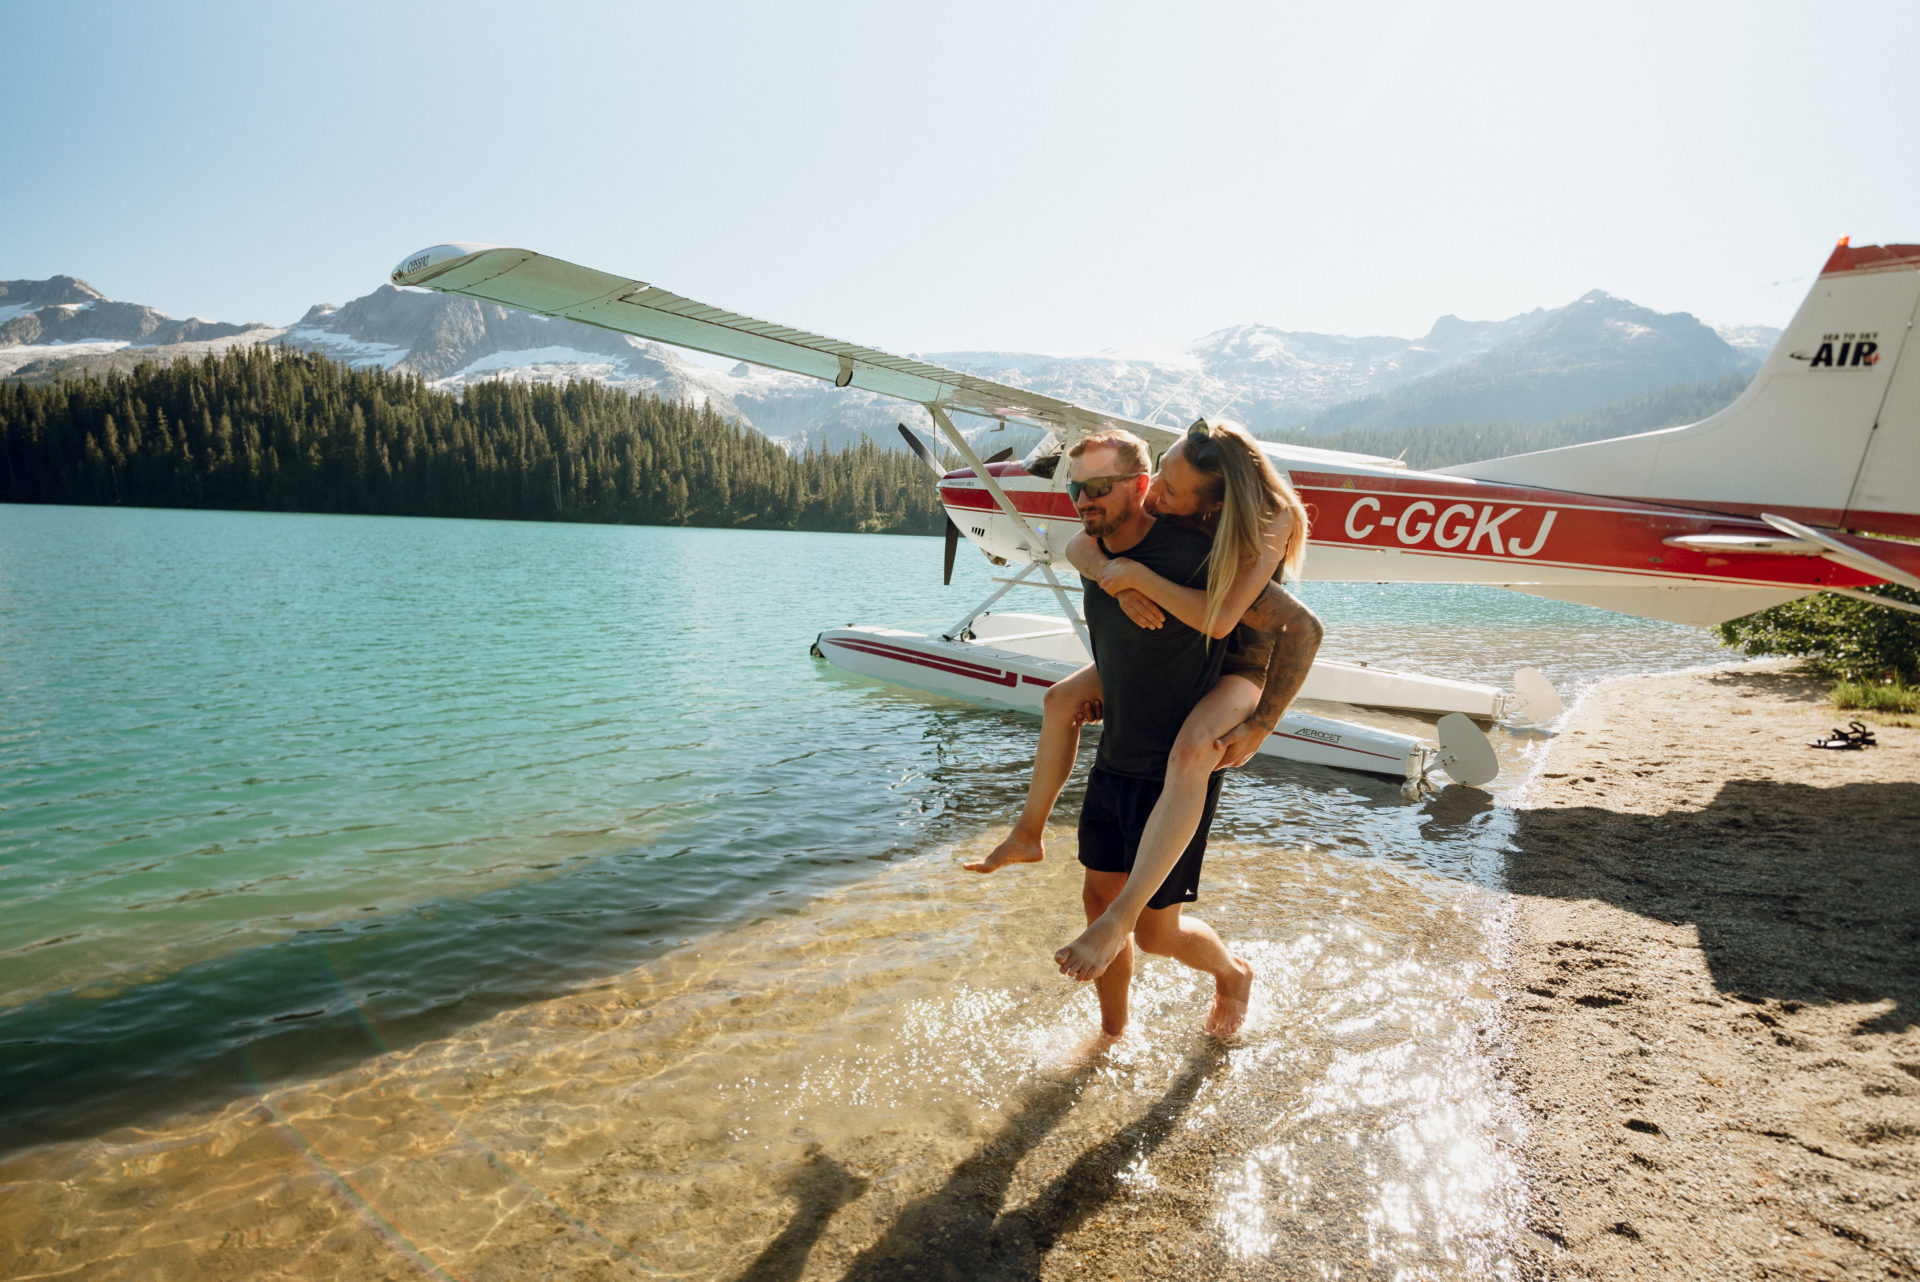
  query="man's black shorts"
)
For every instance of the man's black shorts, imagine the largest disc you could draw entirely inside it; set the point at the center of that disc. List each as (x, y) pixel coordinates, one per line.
(1114, 816)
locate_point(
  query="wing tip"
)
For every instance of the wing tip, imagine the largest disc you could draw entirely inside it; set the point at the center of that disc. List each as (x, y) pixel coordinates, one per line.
(422, 266)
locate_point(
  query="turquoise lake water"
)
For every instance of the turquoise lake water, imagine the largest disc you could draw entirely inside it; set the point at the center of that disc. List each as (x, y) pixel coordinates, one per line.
(264, 777)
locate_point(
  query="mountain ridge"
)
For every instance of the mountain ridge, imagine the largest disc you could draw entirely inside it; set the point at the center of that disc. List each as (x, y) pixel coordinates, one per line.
(1536, 366)
(65, 310)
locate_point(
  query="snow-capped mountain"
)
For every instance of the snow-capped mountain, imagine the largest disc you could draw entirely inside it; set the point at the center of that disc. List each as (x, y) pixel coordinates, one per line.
(1534, 367)
(1528, 368)
(1595, 350)
(1270, 379)
(64, 317)
(455, 341)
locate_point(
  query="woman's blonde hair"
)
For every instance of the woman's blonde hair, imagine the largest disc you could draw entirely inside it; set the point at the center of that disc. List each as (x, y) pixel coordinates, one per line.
(1251, 495)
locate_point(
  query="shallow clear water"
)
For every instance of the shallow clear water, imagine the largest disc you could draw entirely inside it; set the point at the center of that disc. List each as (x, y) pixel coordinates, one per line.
(282, 796)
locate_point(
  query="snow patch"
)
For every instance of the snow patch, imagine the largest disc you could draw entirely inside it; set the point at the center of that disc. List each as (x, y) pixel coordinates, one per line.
(358, 354)
(1756, 339)
(23, 354)
(1149, 354)
(539, 357)
(79, 347)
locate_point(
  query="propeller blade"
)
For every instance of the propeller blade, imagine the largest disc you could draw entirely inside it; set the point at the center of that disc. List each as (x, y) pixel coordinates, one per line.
(932, 460)
(953, 545)
(921, 448)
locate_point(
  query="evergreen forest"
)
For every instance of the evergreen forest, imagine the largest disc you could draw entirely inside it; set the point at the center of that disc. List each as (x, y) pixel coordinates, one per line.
(275, 430)
(284, 431)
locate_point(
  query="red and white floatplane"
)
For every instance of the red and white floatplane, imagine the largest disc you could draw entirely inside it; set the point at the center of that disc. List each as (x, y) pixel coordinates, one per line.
(1790, 490)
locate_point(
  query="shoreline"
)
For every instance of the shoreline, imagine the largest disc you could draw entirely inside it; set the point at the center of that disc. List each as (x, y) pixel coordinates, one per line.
(1713, 991)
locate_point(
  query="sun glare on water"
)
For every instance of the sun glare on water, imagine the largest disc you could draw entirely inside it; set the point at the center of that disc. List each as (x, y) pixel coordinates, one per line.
(880, 1082)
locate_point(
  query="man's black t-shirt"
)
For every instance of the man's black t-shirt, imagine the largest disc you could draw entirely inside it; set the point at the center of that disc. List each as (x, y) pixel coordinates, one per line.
(1150, 678)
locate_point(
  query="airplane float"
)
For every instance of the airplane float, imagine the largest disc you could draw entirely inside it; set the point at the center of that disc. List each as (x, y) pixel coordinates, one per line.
(1777, 496)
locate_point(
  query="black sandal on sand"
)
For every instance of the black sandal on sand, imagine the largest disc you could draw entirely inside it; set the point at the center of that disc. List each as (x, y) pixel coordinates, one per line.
(1855, 736)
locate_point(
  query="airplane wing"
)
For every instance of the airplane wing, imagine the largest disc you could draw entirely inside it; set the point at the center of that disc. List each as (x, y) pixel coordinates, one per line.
(533, 282)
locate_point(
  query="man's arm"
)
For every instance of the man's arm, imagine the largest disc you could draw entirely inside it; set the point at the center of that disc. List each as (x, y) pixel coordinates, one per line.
(1296, 632)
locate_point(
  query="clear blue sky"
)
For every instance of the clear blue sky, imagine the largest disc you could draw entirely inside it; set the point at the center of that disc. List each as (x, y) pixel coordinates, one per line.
(1056, 177)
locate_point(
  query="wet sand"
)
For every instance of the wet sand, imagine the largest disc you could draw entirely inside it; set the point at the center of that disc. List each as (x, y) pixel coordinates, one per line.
(1715, 984)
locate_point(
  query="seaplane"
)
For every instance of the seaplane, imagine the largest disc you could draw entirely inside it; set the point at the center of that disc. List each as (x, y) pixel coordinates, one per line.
(1809, 482)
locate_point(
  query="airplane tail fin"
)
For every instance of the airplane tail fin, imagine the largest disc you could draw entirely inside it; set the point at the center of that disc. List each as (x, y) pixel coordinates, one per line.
(1827, 434)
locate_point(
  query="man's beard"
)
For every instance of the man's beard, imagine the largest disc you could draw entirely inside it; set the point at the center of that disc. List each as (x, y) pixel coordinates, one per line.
(1094, 521)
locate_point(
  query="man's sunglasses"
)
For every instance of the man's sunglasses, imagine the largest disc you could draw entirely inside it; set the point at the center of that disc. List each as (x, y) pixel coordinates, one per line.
(1097, 487)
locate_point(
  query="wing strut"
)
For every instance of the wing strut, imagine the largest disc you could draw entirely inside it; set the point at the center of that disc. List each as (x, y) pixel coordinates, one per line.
(958, 631)
(1887, 601)
(1844, 553)
(1036, 545)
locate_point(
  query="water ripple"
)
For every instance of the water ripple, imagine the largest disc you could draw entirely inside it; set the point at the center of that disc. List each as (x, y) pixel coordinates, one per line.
(461, 765)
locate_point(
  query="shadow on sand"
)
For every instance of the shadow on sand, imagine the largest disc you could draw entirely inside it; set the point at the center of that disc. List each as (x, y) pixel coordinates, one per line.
(960, 1231)
(1798, 893)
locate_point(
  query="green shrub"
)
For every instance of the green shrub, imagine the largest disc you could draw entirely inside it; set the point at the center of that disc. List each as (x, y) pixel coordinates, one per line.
(1877, 696)
(1837, 636)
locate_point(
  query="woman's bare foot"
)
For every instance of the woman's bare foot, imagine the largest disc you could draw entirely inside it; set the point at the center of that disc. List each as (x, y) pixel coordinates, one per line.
(1089, 956)
(1016, 849)
(1230, 1001)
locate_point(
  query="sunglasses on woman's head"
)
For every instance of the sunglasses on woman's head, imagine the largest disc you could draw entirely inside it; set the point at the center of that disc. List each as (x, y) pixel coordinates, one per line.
(1200, 440)
(1097, 487)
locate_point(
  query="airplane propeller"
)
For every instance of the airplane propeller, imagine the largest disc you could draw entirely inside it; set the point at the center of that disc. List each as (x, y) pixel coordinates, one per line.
(927, 456)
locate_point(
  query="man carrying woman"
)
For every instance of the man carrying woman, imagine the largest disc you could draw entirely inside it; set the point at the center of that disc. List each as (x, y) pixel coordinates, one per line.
(1197, 652)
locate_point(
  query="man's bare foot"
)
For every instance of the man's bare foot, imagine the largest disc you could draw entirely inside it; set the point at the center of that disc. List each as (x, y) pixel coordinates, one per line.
(1089, 956)
(1016, 849)
(1093, 1048)
(1230, 1001)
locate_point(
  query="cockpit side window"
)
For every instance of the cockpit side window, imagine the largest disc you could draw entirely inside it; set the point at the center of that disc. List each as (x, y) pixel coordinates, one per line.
(1045, 459)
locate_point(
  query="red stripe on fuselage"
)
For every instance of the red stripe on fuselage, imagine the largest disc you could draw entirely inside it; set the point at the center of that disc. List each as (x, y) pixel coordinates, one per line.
(1905, 524)
(1486, 521)
(1427, 515)
(1047, 504)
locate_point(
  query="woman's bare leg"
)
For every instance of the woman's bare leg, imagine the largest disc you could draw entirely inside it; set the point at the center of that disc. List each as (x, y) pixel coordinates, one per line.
(1170, 827)
(1062, 712)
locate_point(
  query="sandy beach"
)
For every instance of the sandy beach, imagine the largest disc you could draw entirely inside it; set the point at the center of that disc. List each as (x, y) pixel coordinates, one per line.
(1714, 986)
